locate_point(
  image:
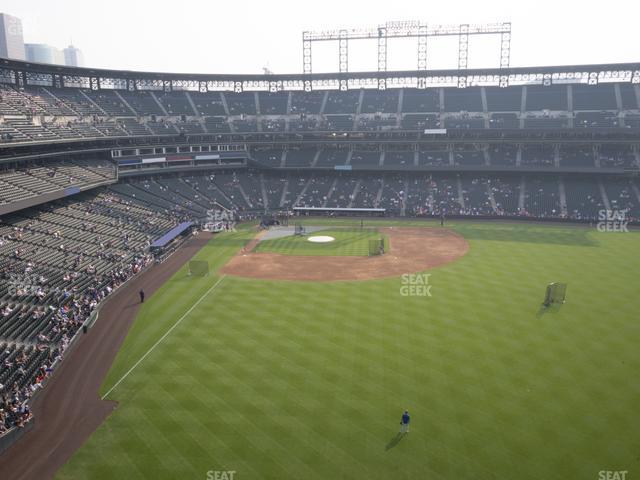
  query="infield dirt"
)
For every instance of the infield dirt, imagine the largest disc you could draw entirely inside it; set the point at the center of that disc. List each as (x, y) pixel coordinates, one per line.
(412, 250)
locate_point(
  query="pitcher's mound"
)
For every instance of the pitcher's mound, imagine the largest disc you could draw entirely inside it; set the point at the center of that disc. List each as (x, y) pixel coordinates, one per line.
(321, 239)
(412, 250)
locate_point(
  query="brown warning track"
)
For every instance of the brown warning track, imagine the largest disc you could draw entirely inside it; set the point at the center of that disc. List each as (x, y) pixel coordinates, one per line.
(412, 250)
(69, 408)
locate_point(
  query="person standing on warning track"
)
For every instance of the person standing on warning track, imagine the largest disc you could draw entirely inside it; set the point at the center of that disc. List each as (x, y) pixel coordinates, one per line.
(141, 296)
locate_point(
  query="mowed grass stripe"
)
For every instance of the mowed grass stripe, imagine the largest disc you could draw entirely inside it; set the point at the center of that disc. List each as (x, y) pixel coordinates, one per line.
(167, 333)
(287, 380)
(161, 311)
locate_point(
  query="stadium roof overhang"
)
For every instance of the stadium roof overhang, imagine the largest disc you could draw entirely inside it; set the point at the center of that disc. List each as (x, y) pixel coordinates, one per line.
(25, 73)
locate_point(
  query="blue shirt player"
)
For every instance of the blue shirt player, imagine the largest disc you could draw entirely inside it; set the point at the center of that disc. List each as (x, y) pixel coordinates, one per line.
(404, 423)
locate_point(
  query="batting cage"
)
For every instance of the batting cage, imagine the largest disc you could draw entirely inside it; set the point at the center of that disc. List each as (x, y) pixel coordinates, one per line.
(376, 247)
(555, 293)
(198, 268)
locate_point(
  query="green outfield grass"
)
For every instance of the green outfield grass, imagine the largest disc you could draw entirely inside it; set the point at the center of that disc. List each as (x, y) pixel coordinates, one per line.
(348, 241)
(286, 380)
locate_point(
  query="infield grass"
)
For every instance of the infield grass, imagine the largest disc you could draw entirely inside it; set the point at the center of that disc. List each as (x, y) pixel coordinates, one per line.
(347, 241)
(288, 380)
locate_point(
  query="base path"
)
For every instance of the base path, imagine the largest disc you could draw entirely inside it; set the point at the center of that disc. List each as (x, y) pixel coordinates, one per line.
(68, 410)
(412, 250)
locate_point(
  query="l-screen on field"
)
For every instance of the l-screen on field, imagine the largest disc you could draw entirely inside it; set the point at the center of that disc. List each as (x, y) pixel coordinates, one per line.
(308, 379)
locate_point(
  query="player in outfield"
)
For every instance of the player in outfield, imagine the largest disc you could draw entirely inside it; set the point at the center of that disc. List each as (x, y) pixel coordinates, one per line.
(404, 422)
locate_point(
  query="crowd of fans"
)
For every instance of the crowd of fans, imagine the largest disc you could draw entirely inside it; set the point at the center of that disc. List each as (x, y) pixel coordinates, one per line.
(72, 309)
(57, 263)
(416, 194)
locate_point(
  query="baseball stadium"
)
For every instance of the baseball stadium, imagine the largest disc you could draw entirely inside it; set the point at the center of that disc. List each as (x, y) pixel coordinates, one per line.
(424, 274)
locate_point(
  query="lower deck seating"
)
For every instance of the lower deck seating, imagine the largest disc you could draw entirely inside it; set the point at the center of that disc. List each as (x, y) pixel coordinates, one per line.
(57, 262)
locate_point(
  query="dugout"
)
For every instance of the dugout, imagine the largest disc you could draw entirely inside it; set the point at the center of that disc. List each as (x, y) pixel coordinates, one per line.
(178, 232)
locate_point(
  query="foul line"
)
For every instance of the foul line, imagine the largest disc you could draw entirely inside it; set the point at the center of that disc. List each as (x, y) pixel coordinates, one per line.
(165, 335)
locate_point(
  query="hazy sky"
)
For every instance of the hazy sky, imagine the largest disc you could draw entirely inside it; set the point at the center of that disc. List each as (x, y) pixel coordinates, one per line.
(230, 36)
